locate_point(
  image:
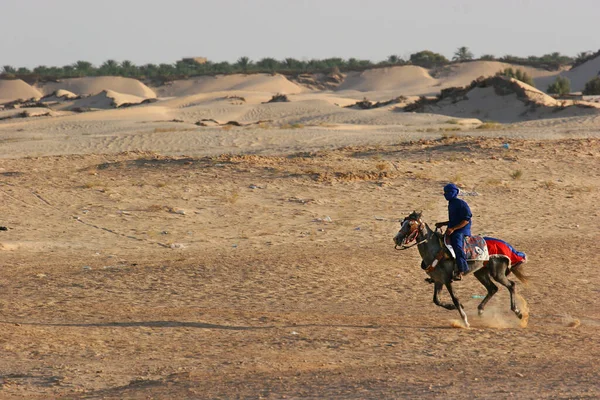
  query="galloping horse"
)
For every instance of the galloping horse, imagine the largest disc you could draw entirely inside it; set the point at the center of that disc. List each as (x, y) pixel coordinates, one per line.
(440, 266)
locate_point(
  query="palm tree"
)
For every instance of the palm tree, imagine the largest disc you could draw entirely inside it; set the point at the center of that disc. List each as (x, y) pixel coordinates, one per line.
(128, 68)
(84, 68)
(109, 67)
(462, 54)
(244, 63)
(41, 70)
(68, 70)
(292, 64)
(149, 70)
(166, 70)
(268, 64)
(7, 69)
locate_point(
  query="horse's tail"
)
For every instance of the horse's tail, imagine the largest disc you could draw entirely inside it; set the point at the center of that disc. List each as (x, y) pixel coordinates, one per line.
(518, 271)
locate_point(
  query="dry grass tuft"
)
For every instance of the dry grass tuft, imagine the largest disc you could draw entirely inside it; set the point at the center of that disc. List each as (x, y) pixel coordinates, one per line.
(548, 185)
(490, 125)
(154, 208)
(493, 182)
(92, 184)
(291, 126)
(382, 166)
(516, 174)
(231, 197)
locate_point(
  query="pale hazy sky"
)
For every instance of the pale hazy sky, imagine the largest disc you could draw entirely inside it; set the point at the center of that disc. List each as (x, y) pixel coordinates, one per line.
(59, 32)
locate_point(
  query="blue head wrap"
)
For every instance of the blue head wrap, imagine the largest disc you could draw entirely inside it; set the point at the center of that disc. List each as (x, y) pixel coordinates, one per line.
(451, 191)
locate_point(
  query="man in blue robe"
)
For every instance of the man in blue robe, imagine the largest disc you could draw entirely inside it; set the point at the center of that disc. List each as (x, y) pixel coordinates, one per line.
(459, 226)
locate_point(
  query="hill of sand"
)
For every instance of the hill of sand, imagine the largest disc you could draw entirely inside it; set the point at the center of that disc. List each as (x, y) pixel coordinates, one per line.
(107, 99)
(583, 73)
(96, 84)
(221, 83)
(502, 100)
(407, 79)
(15, 89)
(59, 95)
(415, 81)
(463, 74)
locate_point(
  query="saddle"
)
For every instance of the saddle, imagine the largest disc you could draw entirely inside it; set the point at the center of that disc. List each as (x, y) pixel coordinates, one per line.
(475, 248)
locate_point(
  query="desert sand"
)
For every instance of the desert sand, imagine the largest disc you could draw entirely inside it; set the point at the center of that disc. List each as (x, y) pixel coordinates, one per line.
(148, 256)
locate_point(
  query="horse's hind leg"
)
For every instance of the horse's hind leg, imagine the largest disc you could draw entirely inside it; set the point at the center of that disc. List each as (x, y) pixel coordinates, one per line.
(483, 276)
(498, 272)
(436, 297)
(457, 304)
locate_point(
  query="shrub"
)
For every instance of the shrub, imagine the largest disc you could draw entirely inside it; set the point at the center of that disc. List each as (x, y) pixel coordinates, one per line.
(516, 174)
(592, 87)
(428, 59)
(490, 125)
(518, 75)
(560, 86)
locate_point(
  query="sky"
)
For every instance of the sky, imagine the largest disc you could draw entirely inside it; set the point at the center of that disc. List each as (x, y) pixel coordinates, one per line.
(60, 32)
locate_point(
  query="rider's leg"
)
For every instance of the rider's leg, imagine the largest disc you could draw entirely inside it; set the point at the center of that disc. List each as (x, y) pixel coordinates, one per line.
(458, 239)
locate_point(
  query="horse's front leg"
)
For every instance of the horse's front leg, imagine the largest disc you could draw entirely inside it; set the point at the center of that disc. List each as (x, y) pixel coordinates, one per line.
(437, 288)
(459, 306)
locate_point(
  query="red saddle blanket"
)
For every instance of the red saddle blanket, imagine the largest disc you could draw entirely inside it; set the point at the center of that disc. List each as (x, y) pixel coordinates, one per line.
(475, 248)
(499, 248)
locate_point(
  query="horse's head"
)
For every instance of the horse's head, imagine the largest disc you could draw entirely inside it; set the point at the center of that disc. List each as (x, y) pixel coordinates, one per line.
(409, 229)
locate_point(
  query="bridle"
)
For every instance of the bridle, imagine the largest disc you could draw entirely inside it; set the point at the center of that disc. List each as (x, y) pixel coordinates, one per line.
(417, 226)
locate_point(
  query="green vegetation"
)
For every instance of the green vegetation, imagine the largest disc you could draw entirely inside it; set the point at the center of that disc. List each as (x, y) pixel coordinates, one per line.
(518, 75)
(290, 66)
(462, 54)
(592, 87)
(561, 86)
(428, 59)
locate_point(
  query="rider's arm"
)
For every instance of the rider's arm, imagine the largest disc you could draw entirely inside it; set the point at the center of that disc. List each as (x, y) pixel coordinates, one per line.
(451, 229)
(462, 224)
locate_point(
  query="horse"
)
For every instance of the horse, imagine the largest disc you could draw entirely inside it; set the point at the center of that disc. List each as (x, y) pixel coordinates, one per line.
(440, 266)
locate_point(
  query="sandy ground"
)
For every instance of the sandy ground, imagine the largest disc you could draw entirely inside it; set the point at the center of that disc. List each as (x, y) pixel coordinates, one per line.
(138, 276)
(149, 257)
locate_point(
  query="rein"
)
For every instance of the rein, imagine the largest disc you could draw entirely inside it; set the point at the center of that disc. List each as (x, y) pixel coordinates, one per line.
(413, 236)
(405, 247)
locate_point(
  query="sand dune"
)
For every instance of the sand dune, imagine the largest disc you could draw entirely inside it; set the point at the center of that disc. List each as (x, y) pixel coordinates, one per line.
(583, 73)
(221, 83)
(463, 74)
(60, 95)
(94, 85)
(502, 100)
(407, 79)
(413, 80)
(107, 99)
(15, 89)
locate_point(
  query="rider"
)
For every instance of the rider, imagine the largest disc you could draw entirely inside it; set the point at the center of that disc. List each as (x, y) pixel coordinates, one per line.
(459, 226)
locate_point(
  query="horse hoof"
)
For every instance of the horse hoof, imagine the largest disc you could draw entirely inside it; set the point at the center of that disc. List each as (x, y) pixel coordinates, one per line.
(480, 312)
(519, 314)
